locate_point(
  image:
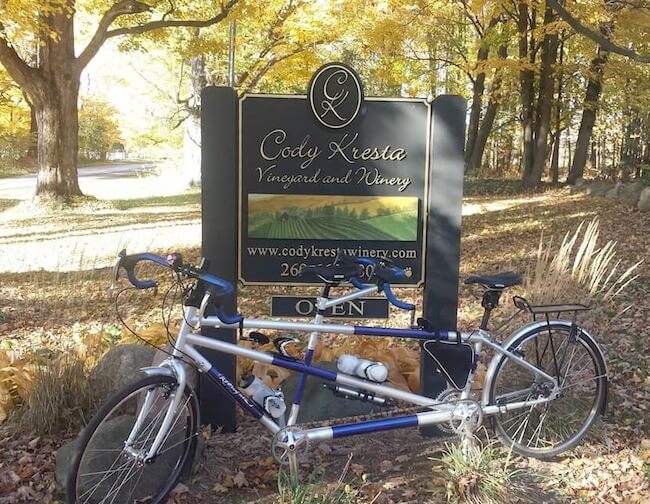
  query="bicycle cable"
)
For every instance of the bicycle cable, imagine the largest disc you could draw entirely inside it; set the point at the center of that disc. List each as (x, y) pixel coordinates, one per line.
(166, 322)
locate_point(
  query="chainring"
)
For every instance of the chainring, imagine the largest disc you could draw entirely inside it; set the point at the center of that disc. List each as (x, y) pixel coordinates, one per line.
(288, 440)
(467, 417)
(448, 395)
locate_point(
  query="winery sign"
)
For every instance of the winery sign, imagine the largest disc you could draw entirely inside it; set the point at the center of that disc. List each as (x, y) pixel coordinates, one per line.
(293, 180)
(327, 172)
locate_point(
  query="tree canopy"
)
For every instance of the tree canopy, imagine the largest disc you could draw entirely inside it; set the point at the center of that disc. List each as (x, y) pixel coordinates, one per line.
(542, 77)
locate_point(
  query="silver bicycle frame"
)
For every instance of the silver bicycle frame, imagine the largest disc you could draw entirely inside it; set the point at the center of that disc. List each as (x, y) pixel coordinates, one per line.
(188, 340)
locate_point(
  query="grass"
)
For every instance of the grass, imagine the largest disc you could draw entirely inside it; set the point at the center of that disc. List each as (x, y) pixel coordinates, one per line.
(485, 476)
(61, 398)
(580, 268)
(176, 200)
(315, 490)
(6, 204)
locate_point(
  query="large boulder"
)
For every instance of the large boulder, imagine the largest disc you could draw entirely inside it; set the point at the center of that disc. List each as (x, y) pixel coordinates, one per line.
(598, 188)
(631, 193)
(319, 403)
(614, 191)
(580, 186)
(119, 367)
(644, 200)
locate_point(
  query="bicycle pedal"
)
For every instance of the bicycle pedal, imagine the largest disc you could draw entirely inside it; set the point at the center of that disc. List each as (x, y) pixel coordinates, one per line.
(287, 347)
(256, 337)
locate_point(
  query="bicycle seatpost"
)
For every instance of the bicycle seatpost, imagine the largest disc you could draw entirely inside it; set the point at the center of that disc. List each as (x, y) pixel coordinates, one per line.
(489, 302)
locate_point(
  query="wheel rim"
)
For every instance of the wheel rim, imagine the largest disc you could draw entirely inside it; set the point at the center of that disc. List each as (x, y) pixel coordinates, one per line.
(558, 424)
(110, 474)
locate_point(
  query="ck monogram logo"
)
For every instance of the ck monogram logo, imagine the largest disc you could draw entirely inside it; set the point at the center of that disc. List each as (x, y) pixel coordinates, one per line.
(335, 95)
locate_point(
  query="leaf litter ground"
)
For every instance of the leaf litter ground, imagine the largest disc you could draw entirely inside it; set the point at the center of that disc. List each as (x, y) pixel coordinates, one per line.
(43, 312)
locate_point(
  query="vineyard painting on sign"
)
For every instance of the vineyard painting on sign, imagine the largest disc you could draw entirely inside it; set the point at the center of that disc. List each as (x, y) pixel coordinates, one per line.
(311, 217)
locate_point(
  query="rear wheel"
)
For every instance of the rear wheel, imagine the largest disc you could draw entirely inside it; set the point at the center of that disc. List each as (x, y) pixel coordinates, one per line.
(547, 429)
(106, 471)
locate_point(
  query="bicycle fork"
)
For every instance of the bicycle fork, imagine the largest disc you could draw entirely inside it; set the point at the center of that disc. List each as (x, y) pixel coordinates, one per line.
(175, 395)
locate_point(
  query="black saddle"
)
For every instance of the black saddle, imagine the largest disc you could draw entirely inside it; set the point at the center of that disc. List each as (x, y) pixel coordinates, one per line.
(333, 273)
(498, 281)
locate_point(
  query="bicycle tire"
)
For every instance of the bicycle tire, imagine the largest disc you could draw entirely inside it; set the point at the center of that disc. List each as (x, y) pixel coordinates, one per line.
(594, 397)
(106, 434)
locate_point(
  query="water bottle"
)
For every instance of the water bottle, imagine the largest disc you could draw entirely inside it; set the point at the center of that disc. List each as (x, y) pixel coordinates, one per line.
(272, 401)
(353, 365)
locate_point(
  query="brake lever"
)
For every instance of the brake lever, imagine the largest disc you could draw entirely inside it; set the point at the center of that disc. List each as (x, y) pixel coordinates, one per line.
(116, 269)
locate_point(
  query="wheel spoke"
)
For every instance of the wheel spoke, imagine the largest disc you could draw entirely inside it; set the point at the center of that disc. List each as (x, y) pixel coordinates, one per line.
(107, 474)
(560, 422)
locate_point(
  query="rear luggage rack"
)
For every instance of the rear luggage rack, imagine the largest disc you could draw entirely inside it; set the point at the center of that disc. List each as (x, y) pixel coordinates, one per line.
(546, 310)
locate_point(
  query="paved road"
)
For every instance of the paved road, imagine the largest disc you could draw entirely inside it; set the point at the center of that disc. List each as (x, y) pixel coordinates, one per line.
(22, 188)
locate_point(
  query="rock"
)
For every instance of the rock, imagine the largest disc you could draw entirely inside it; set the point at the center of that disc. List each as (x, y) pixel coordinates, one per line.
(319, 403)
(598, 188)
(614, 191)
(580, 186)
(644, 200)
(64, 459)
(119, 367)
(631, 193)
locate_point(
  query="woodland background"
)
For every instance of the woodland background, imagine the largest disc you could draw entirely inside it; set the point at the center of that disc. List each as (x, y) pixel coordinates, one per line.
(552, 97)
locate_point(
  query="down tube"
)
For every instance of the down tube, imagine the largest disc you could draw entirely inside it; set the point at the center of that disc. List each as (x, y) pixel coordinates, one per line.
(246, 403)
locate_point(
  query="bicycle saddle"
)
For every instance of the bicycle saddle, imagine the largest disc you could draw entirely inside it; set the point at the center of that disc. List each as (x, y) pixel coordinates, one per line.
(333, 273)
(498, 281)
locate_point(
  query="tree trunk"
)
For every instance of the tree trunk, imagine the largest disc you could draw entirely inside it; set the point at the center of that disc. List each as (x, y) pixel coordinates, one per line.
(475, 111)
(477, 95)
(192, 126)
(476, 159)
(594, 88)
(526, 79)
(55, 98)
(58, 142)
(550, 43)
(555, 158)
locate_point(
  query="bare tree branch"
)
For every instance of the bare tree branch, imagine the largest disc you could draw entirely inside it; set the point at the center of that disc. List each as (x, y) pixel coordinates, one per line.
(604, 42)
(122, 8)
(257, 76)
(129, 7)
(18, 70)
(170, 23)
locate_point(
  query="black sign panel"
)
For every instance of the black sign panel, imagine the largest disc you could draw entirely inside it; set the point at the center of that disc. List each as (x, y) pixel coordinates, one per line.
(307, 191)
(297, 306)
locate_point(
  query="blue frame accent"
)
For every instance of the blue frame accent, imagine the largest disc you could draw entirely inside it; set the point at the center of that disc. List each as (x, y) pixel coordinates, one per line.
(301, 367)
(300, 389)
(401, 333)
(374, 426)
(245, 402)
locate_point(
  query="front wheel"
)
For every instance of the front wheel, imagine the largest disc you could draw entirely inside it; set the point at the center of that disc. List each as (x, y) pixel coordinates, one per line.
(546, 430)
(106, 470)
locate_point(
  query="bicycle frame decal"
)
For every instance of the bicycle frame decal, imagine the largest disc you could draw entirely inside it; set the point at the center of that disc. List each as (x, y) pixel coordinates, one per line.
(250, 406)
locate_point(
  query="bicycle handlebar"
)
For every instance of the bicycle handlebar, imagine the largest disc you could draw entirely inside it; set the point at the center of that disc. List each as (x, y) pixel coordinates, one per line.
(384, 271)
(172, 261)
